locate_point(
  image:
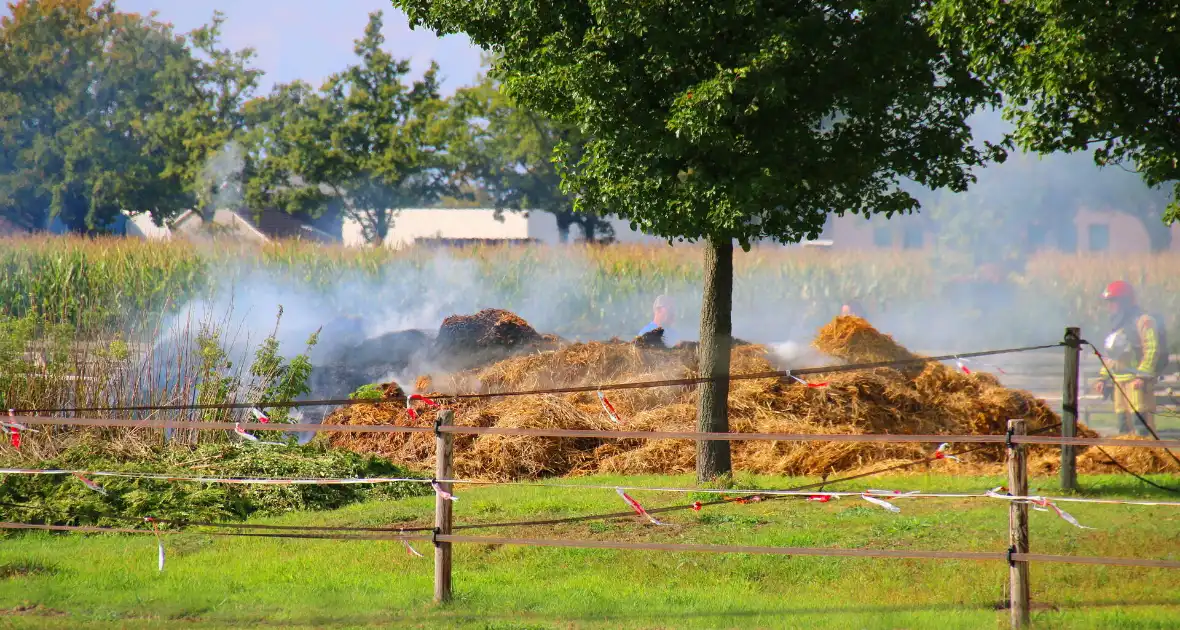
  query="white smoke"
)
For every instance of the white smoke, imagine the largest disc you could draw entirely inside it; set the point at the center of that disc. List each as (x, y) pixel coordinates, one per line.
(222, 176)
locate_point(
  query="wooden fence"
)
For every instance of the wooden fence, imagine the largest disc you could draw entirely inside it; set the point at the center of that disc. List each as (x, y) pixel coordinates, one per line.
(1018, 555)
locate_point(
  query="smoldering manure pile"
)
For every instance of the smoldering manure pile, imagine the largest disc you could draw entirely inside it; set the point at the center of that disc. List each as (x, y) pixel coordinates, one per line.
(914, 399)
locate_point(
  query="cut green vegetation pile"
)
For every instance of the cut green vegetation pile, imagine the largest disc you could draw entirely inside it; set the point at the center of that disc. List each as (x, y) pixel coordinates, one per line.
(65, 500)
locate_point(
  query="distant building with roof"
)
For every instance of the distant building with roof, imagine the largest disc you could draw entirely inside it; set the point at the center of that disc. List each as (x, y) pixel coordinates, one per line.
(1098, 231)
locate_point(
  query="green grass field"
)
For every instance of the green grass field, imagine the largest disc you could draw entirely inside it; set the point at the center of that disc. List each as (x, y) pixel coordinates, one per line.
(101, 581)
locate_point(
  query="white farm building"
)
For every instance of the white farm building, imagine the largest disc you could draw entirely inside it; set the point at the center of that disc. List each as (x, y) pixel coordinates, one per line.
(460, 225)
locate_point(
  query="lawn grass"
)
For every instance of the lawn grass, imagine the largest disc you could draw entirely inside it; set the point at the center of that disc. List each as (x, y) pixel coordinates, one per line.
(101, 581)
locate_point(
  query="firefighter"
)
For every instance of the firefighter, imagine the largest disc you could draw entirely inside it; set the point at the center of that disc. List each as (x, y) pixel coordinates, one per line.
(1136, 353)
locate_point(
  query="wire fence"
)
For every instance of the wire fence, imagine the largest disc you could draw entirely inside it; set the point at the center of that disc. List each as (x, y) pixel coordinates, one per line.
(607, 434)
(441, 535)
(604, 387)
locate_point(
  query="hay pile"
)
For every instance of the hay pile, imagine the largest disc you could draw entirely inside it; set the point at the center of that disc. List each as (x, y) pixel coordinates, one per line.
(1093, 461)
(852, 339)
(931, 399)
(508, 457)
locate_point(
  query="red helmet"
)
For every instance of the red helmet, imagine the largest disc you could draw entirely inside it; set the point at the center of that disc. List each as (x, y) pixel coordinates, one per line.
(1118, 290)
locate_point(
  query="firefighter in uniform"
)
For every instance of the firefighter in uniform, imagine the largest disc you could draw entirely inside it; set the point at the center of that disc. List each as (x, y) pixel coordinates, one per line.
(1135, 353)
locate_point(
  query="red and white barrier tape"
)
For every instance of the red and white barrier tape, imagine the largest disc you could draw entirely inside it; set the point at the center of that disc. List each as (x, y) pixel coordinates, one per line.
(13, 430)
(410, 411)
(635, 506)
(881, 502)
(258, 415)
(159, 540)
(877, 497)
(610, 409)
(446, 496)
(941, 453)
(962, 363)
(90, 484)
(242, 433)
(410, 551)
(1039, 503)
(806, 383)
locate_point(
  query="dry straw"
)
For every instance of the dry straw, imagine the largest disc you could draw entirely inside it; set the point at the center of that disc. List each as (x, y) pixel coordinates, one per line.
(929, 399)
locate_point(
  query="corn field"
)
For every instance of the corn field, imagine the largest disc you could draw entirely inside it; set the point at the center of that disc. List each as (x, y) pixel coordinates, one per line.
(114, 284)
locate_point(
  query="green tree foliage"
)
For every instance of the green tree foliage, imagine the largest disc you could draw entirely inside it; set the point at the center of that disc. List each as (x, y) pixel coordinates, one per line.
(1081, 75)
(277, 380)
(365, 144)
(103, 111)
(203, 134)
(733, 121)
(512, 150)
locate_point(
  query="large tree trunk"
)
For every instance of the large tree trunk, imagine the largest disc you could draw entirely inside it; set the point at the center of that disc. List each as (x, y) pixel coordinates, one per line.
(589, 228)
(381, 228)
(713, 357)
(563, 226)
(379, 225)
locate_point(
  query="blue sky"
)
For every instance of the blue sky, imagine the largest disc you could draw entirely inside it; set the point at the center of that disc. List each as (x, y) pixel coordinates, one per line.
(310, 39)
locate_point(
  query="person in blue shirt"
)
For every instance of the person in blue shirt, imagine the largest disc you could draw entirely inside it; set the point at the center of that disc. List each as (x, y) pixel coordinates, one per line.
(663, 317)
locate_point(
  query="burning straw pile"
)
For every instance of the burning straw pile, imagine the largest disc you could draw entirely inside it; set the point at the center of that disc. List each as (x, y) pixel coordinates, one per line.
(468, 341)
(490, 327)
(930, 398)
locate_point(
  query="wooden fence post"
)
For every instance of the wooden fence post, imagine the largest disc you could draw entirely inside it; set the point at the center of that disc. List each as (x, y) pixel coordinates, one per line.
(1069, 408)
(1018, 591)
(443, 469)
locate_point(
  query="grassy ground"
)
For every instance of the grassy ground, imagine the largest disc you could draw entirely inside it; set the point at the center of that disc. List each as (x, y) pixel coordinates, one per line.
(75, 581)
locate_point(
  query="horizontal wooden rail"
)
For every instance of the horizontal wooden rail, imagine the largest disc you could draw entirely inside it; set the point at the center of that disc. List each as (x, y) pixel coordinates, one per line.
(589, 433)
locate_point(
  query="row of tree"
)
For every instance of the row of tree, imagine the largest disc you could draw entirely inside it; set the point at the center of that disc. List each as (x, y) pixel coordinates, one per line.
(103, 111)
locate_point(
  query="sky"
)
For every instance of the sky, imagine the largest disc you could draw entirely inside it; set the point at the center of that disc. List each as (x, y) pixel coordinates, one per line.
(311, 39)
